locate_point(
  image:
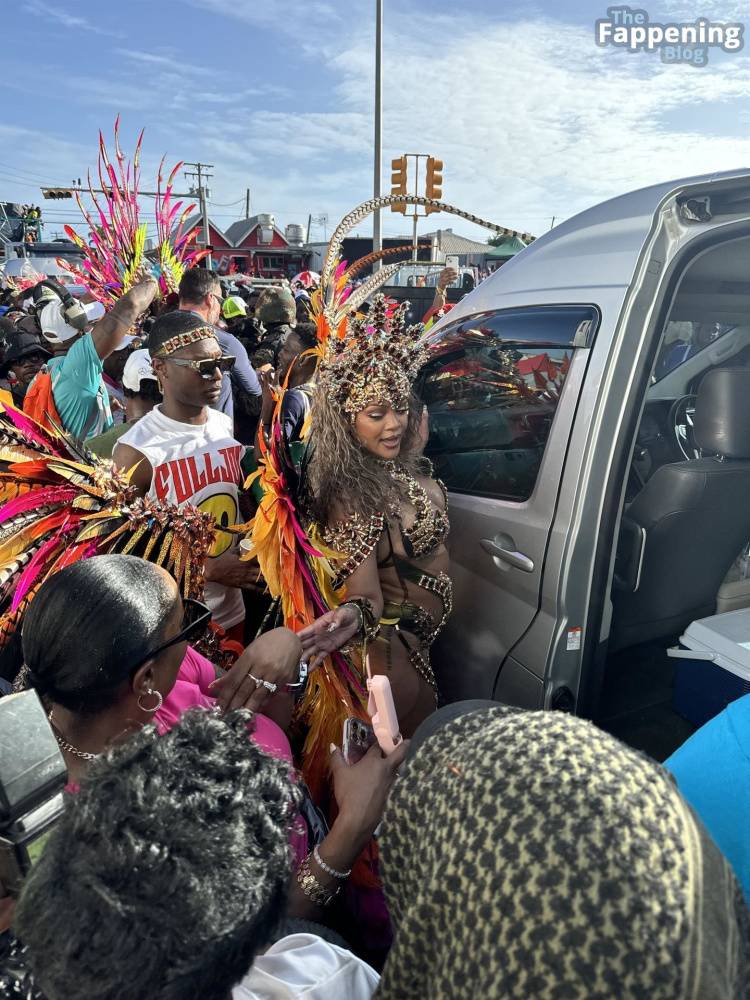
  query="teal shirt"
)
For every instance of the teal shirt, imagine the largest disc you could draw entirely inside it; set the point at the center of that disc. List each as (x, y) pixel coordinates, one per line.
(79, 391)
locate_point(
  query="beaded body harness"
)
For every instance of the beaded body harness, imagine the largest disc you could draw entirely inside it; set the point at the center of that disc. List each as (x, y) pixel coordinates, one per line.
(358, 537)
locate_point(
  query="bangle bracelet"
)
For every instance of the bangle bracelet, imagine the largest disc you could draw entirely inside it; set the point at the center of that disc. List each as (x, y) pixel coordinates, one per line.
(327, 868)
(369, 626)
(312, 888)
(360, 612)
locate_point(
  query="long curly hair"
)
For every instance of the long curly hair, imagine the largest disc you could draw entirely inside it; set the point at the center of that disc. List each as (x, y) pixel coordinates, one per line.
(168, 872)
(343, 478)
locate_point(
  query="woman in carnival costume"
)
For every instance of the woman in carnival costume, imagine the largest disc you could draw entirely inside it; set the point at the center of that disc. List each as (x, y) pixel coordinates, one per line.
(352, 542)
(378, 506)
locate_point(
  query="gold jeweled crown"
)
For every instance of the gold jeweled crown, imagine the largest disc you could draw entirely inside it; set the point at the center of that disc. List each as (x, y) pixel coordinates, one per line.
(376, 361)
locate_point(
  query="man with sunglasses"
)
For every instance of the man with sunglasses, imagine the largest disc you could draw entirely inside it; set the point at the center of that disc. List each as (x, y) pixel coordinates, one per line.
(200, 293)
(184, 451)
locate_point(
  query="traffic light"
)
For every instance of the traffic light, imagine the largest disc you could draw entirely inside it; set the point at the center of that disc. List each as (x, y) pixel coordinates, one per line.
(434, 184)
(398, 182)
(56, 193)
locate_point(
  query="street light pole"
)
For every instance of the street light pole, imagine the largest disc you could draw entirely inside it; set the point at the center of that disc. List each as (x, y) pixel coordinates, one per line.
(377, 238)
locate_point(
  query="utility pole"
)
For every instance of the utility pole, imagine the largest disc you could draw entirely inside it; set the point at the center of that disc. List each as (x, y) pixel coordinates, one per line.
(247, 203)
(202, 192)
(309, 223)
(415, 246)
(377, 238)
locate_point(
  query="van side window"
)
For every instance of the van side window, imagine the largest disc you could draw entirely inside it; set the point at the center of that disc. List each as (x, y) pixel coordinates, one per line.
(492, 387)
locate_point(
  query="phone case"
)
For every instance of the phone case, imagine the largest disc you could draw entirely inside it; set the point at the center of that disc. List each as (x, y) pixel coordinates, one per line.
(382, 711)
(357, 739)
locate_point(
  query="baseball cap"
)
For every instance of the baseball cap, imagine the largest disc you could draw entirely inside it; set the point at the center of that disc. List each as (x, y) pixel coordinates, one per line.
(24, 345)
(137, 368)
(233, 306)
(127, 340)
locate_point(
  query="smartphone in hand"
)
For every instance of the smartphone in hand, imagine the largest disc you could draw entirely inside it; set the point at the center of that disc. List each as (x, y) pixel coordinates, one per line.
(357, 740)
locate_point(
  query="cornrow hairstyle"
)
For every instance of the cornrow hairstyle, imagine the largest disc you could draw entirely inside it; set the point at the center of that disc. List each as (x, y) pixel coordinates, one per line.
(308, 334)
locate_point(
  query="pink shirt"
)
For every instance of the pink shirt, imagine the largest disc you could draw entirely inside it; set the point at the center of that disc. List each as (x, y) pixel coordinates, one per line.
(192, 690)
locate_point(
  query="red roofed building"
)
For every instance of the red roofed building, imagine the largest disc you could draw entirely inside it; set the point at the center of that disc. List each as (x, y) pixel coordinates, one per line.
(256, 246)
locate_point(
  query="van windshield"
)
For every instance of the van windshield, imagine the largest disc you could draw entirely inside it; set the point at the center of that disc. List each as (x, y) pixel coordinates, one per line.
(683, 339)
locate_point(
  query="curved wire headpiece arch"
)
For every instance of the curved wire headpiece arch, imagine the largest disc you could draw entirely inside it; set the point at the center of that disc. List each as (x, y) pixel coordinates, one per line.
(334, 303)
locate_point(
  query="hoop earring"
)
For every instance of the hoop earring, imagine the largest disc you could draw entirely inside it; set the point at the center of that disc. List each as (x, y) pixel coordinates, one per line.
(159, 386)
(156, 707)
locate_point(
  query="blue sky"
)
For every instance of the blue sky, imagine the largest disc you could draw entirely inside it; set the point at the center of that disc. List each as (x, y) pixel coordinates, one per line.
(531, 118)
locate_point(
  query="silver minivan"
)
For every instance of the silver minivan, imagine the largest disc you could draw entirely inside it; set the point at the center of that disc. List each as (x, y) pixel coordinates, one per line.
(590, 415)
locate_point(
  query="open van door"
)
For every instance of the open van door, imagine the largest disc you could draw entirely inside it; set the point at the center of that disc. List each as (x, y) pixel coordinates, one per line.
(535, 390)
(496, 385)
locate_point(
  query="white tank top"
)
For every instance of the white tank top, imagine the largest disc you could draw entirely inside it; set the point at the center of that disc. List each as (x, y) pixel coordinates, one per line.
(197, 464)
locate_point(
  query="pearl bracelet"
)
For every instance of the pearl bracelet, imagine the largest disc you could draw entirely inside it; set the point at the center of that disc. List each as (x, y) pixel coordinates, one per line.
(327, 868)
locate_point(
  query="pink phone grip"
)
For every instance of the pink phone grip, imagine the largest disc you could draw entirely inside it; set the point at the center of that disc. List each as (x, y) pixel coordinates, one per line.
(383, 713)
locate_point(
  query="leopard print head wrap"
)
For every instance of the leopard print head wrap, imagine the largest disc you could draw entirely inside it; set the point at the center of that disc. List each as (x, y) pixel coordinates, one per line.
(529, 856)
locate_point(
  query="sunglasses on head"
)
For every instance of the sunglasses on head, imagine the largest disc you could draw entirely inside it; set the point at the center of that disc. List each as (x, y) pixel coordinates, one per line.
(207, 367)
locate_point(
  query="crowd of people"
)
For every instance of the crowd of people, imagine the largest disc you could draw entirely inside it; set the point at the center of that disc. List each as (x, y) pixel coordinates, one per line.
(22, 223)
(219, 839)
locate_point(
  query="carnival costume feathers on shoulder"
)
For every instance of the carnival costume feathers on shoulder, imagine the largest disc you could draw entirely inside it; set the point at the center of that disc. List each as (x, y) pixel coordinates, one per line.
(59, 504)
(354, 358)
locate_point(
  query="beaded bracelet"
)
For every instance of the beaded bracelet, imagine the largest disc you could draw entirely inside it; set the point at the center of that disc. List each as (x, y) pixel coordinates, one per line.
(312, 888)
(333, 872)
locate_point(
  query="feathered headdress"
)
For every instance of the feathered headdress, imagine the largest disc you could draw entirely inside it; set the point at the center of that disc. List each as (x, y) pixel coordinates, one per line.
(116, 256)
(59, 504)
(29, 278)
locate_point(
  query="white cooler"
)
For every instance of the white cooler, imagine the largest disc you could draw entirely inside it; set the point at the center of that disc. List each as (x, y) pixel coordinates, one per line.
(713, 665)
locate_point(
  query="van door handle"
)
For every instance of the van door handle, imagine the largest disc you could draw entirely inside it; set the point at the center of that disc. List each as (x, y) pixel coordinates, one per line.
(516, 559)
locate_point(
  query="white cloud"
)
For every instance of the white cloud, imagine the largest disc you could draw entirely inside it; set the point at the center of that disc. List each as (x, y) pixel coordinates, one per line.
(173, 63)
(296, 17)
(65, 18)
(532, 119)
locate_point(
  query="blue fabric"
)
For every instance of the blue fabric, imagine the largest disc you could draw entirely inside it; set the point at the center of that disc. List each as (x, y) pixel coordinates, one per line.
(243, 374)
(79, 391)
(713, 773)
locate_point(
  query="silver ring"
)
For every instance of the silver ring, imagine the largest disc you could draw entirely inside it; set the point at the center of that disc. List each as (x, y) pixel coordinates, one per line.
(268, 685)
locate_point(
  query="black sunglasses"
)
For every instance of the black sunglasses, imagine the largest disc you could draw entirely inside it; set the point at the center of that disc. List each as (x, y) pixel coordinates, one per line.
(207, 367)
(195, 619)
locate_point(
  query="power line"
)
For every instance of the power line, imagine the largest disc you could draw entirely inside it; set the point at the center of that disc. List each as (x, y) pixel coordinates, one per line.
(23, 173)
